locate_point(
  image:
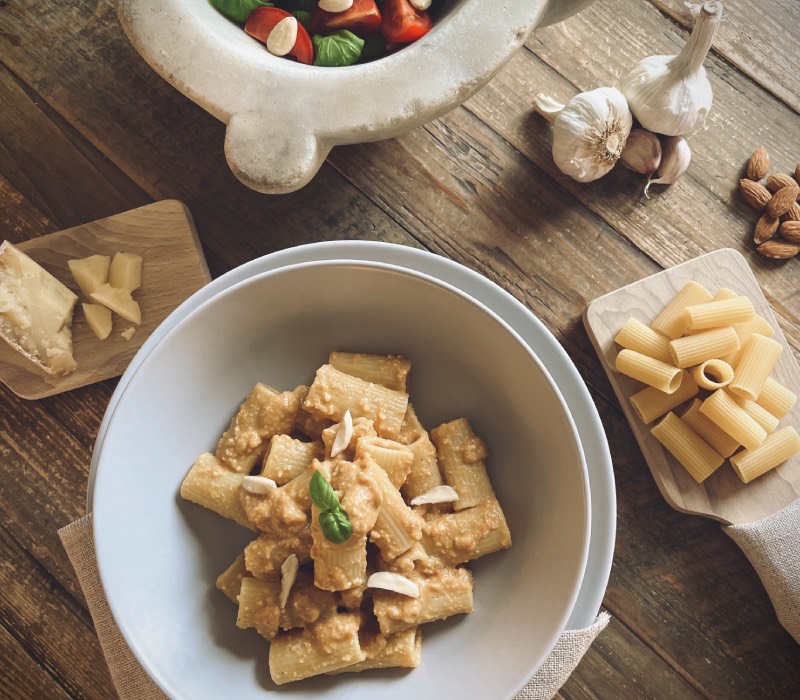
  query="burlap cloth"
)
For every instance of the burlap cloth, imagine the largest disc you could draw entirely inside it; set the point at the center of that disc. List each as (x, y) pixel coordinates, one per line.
(773, 547)
(133, 683)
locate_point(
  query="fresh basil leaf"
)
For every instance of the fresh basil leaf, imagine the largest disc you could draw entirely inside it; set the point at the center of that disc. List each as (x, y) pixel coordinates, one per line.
(322, 494)
(335, 525)
(374, 47)
(303, 17)
(239, 10)
(341, 48)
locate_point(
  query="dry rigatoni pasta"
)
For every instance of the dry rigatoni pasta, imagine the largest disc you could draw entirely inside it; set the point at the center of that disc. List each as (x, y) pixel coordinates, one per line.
(694, 453)
(707, 429)
(733, 419)
(635, 335)
(695, 349)
(650, 403)
(776, 398)
(775, 450)
(712, 374)
(755, 364)
(744, 330)
(719, 313)
(660, 375)
(758, 413)
(671, 322)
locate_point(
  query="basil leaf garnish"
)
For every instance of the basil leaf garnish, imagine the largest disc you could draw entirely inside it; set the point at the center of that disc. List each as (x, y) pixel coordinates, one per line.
(303, 17)
(335, 524)
(238, 10)
(322, 494)
(342, 48)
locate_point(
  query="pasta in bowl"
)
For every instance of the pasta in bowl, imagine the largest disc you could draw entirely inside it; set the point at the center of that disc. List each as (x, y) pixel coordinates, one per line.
(276, 328)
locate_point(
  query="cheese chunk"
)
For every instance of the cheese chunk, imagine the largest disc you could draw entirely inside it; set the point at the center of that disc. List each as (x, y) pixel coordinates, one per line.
(35, 312)
(90, 272)
(126, 271)
(99, 319)
(119, 301)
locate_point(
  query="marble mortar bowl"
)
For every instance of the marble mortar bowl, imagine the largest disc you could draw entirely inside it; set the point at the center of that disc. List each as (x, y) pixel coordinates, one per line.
(283, 118)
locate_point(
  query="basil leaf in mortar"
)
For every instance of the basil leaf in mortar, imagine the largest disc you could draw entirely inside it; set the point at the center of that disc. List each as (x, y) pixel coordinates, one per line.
(238, 10)
(342, 48)
(303, 17)
(335, 525)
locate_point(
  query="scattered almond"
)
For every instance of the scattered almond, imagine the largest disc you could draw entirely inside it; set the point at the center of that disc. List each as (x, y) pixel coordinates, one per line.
(782, 200)
(765, 228)
(778, 250)
(790, 230)
(283, 36)
(289, 570)
(778, 181)
(758, 165)
(259, 485)
(754, 193)
(797, 173)
(396, 583)
(438, 494)
(792, 213)
(343, 435)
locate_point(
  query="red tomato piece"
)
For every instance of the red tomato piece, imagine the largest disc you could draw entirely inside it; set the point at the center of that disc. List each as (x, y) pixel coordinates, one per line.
(363, 19)
(263, 20)
(402, 22)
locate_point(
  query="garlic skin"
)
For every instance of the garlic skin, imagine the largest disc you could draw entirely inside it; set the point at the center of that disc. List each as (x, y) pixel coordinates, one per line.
(675, 159)
(672, 95)
(642, 152)
(589, 133)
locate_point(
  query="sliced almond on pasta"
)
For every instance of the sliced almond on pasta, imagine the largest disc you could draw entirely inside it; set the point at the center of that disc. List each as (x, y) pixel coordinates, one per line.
(258, 484)
(396, 583)
(438, 494)
(343, 435)
(288, 575)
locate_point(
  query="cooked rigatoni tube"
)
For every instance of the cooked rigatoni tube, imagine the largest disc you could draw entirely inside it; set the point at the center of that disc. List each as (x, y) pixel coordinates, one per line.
(755, 364)
(695, 349)
(461, 455)
(650, 403)
(362, 428)
(712, 374)
(390, 371)
(671, 322)
(720, 313)
(398, 650)
(758, 413)
(306, 604)
(337, 567)
(424, 474)
(397, 526)
(264, 555)
(775, 450)
(411, 428)
(309, 424)
(685, 445)
(299, 654)
(744, 330)
(468, 534)
(264, 413)
(333, 393)
(287, 458)
(393, 457)
(776, 398)
(733, 419)
(707, 429)
(230, 580)
(258, 605)
(648, 370)
(210, 484)
(635, 335)
(445, 592)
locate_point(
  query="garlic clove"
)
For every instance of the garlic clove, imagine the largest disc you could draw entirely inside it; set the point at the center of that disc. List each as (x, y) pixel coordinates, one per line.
(672, 95)
(642, 152)
(675, 158)
(589, 132)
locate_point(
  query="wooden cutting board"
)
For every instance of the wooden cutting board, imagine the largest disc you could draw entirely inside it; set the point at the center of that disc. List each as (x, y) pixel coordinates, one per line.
(722, 496)
(174, 267)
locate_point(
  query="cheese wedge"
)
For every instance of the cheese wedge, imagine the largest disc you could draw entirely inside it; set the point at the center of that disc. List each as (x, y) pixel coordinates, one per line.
(119, 301)
(90, 272)
(125, 271)
(99, 319)
(35, 312)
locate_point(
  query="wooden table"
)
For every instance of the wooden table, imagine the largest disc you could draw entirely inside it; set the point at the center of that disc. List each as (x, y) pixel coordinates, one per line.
(88, 130)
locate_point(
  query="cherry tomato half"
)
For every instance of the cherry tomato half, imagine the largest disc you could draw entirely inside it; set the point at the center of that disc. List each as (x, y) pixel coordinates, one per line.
(402, 22)
(363, 19)
(263, 20)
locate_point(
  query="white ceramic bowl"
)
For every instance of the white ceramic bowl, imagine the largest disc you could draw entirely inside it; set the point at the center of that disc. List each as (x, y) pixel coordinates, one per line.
(158, 556)
(283, 118)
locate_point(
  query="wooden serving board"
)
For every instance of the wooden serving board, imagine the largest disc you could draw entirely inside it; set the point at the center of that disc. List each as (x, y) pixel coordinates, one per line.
(174, 267)
(722, 496)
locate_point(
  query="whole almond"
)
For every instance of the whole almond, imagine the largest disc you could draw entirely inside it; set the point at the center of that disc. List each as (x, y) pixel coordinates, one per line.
(790, 230)
(797, 173)
(778, 250)
(765, 228)
(778, 181)
(758, 165)
(755, 194)
(782, 200)
(792, 213)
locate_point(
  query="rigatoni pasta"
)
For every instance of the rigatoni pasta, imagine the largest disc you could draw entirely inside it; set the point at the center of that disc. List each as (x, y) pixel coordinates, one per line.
(697, 456)
(776, 449)
(718, 313)
(671, 322)
(344, 570)
(712, 374)
(648, 370)
(776, 398)
(650, 403)
(697, 348)
(635, 335)
(755, 364)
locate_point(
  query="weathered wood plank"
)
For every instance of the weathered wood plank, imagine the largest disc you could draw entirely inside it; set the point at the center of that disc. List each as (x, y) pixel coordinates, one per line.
(22, 677)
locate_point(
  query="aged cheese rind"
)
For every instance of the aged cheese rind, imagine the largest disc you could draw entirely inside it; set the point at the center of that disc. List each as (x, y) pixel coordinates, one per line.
(35, 312)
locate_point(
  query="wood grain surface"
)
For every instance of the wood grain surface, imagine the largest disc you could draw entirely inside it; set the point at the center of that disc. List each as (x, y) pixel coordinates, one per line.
(722, 496)
(88, 131)
(173, 268)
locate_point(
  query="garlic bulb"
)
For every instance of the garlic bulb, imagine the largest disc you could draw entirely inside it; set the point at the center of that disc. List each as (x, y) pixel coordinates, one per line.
(672, 95)
(589, 133)
(675, 159)
(642, 152)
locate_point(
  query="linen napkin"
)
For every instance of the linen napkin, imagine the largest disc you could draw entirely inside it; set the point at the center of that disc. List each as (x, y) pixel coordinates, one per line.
(773, 547)
(133, 683)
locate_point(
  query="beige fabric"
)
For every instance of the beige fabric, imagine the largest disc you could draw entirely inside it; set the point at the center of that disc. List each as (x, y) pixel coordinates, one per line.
(773, 547)
(132, 683)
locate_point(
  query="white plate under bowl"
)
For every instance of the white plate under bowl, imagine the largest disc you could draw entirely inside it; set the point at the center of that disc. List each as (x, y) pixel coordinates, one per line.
(158, 556)
(533, 331)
